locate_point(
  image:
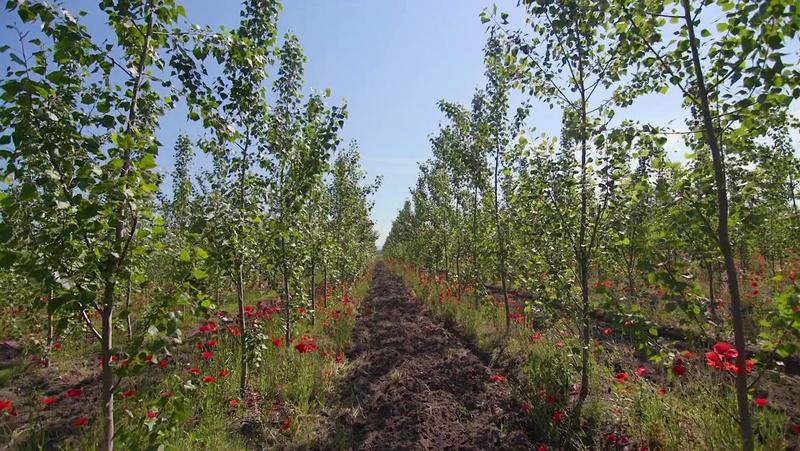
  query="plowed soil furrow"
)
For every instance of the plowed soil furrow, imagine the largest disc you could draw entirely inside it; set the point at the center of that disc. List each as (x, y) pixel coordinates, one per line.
(414, 385)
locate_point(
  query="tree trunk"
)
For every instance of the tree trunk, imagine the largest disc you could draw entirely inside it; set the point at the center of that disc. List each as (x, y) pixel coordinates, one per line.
(313, 292)
(475, 267)
(286, 294)
(794, 203)
(325, 286)
(582, 251)
(50, 334)
(128, 307)
(106, 343)
(724, 235)
(501, 262)
(243, 326)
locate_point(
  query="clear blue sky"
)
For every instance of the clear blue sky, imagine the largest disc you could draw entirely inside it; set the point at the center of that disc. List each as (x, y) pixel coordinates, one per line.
(391, 60)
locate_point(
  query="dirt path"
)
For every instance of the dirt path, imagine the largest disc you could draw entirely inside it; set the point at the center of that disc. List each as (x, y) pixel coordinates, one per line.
(414, 385)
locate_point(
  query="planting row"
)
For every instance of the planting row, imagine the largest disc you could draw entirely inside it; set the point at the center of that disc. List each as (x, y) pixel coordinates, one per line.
(605, 217)
(92, 246)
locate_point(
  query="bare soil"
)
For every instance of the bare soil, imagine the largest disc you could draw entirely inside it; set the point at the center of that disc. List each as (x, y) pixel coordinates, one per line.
(415, 385)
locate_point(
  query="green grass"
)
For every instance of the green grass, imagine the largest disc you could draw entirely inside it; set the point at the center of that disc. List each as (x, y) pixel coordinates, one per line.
(698, 411)
(284, 385)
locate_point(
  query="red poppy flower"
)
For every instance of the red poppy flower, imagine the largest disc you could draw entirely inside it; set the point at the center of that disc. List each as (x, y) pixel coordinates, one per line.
(80, 421)
(306, 345)
(209, 379)
(720, 356)
(235, 331)
(725, 350)
(560, 344)
(608, 331)
(195, 371)
(621, 377)
(542, 447)
(611, 437)
(167, 394)
(536, 337)
(207, 355)
(57, 346)
(49, 400)
(75, 392)
(559, 416)
(212, 343)
(714, 360)
(209, 327)
(525, 407)
(152, 414)
(661, 391)
(339, 358)
(287, 423)
(223, 373)
(642, 371)
(498, 378)
(301, 311)
(198, 346)
(233, 403)
(277, 342)
(163, 363)
(761, 402)
(6, 405)
(148, 358)
(129, 394)
(248, 310)
(550, 399)
(678, 368)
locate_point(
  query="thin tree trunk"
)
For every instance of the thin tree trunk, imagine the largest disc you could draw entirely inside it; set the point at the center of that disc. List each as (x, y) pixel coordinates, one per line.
(243, 326)
(313, 291)
(794, 199)
(475, 267)
(128, 307)
(106, 343)
(49, 350)
(459, 246)
(286, 294)
(325, 286)
(724, 235)
(583, 252)
(500, 243)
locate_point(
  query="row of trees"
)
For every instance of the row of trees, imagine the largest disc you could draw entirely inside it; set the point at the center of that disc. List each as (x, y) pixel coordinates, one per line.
(605, 201)
(83, 220)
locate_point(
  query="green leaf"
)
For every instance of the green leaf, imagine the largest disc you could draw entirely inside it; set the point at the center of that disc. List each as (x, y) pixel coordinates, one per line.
(185, 256)
(199, 274)
(201, 253)
(148, 161)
